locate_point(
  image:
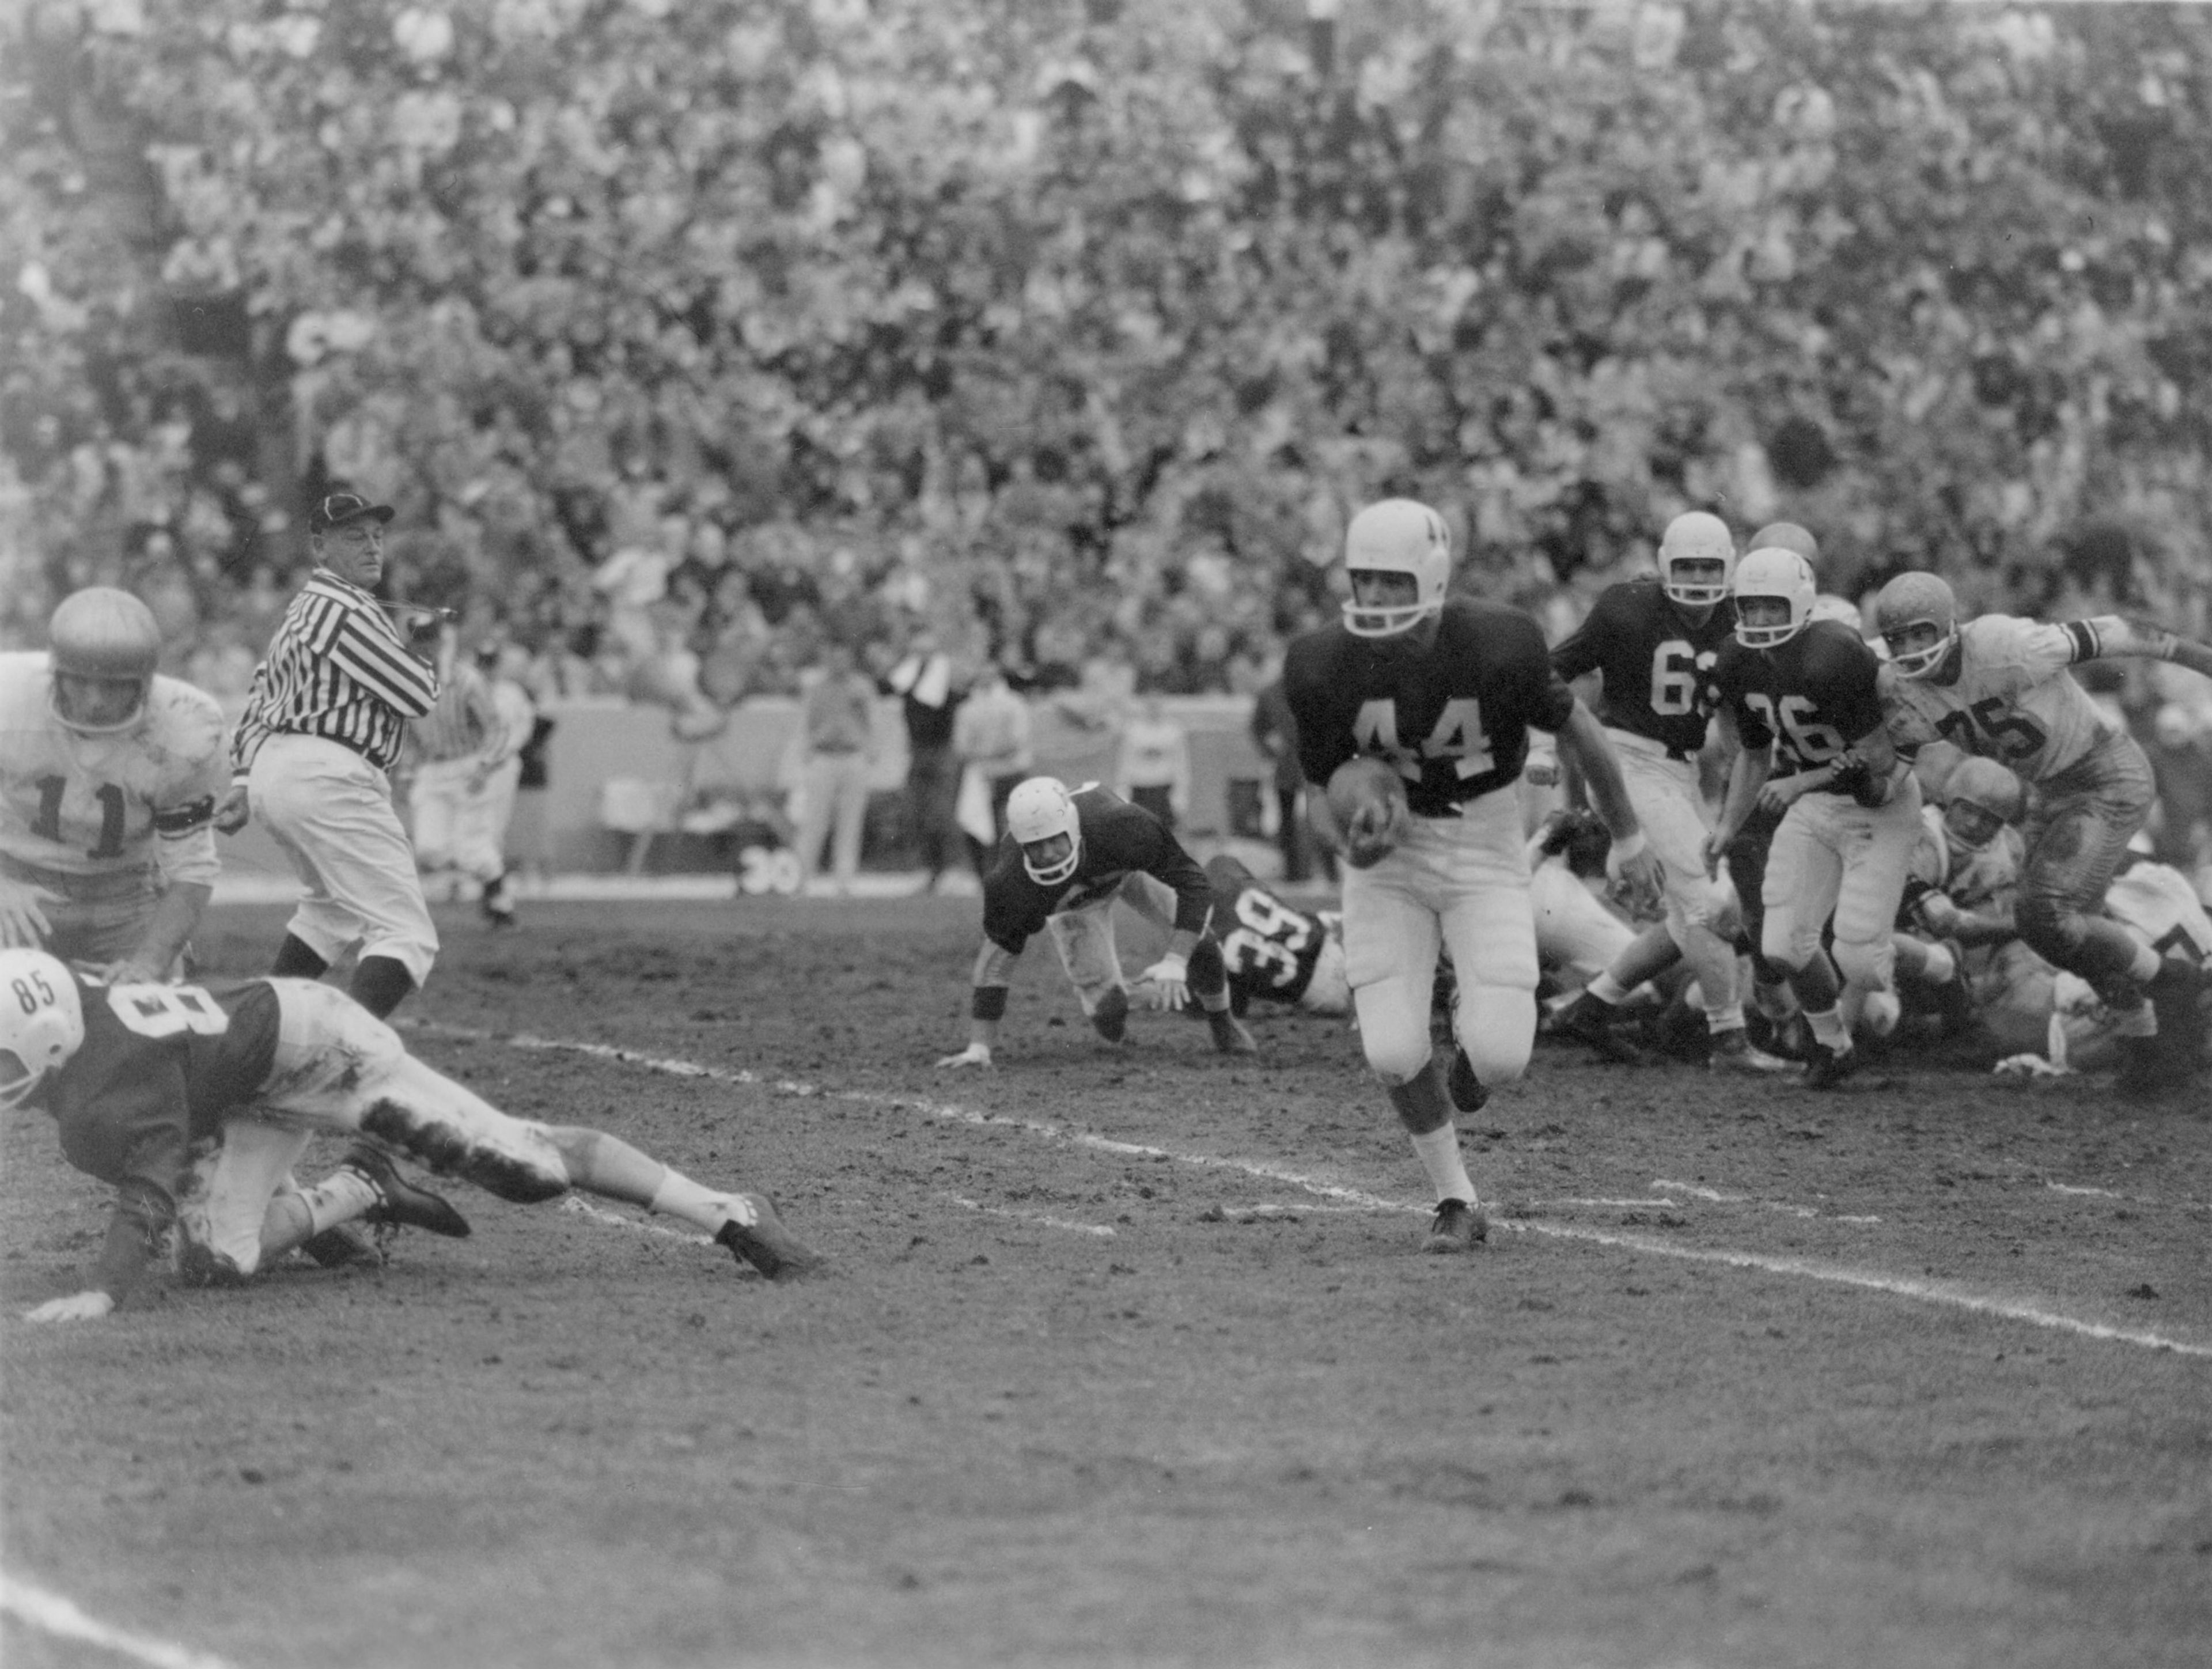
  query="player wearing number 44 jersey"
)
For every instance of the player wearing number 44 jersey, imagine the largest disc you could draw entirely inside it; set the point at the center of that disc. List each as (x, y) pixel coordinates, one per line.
(1800, 696)
(108, 780)
(195, 1103)
(1445, 691)
(1998, 687)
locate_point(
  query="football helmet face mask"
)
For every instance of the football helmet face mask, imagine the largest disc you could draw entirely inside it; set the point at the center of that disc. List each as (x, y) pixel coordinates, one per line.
(1770, 575)
(104, 636)
(1703, 540)
(42, 1022)
(1980, 796)
(1042, 811)
(1908, 602)
(1397, 536)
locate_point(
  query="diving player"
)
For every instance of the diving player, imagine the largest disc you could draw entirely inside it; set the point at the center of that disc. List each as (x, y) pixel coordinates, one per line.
(138, 1075)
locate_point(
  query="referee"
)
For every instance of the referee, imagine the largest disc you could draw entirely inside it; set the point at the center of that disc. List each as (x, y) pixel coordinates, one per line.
(323, 725)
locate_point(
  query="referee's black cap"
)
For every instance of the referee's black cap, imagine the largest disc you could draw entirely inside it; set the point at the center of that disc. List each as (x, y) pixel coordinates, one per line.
(340, 507)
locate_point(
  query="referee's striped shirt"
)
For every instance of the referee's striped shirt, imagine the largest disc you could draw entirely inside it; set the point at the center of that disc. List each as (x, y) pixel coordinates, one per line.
(337, 668)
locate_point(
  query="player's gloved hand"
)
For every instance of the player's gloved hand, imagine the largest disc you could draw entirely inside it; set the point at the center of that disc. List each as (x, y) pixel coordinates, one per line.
(23, 925)
(231, 812)
(1169, 979)
(976, 1054)
(77, 1306)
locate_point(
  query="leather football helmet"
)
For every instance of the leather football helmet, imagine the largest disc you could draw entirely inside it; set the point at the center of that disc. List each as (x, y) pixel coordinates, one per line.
(1912, 600)
(1696, 537)
(1988, 787)
(1397, 536)
(1786, 536)
(109, 636)
(42, 1022)
(1039, 809)
(1773, 572)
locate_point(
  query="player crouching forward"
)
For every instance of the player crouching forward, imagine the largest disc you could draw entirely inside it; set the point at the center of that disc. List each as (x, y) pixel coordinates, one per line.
(138, 1076)
(1068, 856)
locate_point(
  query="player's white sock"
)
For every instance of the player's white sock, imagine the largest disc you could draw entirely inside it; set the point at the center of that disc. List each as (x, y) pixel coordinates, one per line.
(703, 1208)
(1828, 1028)
(1607, 990)
(1440, 1157)
(339, 1198)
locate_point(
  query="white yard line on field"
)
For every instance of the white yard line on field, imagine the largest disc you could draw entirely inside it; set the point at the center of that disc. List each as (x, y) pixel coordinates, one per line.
(617, 1219)
(1035, 1219)
(1787, 1207)
(52, 1614)
(1947, 1293)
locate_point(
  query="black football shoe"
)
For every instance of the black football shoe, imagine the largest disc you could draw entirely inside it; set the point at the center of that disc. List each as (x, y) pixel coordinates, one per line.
(768, 1246)
(1591, 1022)
(1458, 1225)
(399, 1203)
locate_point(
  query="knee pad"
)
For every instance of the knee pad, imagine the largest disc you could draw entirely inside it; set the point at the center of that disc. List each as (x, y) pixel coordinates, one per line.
(1496, 1025)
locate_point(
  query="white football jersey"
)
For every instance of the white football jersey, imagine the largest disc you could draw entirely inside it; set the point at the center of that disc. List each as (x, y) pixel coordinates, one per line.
(2156, 903)
(97, 806)
(1971, 880)
(2014, 702)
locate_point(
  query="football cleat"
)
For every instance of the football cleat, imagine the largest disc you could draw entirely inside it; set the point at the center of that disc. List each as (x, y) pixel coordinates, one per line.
(766, 1244)
(1458, 1225)
(1110, 1019)
(1590, 1020)
(1732, 1051)
(399, 1203)
(1468, 1092)
(1831, 1068)
(201, 1265)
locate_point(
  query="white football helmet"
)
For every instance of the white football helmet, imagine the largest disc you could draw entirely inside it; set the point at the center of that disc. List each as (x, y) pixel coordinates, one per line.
(1397, 536)
(1912, 600)
(42, 1022)
(1040, 809)
(1773, 572)
(108, 635)
(1696, 537)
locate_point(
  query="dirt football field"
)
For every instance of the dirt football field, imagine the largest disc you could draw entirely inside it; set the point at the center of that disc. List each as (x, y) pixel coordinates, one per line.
(1131, 1356)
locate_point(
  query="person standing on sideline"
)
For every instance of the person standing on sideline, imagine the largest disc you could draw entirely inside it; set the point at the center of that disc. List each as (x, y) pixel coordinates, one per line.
(311, 756)
(460, 746)
(929, 697)
(1445, 691)
(837, 749)
(500, 664)
(1275, 734)
(1151, 765)
(991, 734)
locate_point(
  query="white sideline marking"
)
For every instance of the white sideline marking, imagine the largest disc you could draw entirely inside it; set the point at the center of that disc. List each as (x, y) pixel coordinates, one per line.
(1099, 1229)
(1782, 1206)
(616, 1219)
(1926, 1291)
(57, 1616)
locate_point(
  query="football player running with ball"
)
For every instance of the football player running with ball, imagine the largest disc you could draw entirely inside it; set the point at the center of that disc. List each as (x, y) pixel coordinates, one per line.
(1998, 687)
(1801, 697)
(1444, 691)
(195, 1104)
(1068, 855)
(1653, 642)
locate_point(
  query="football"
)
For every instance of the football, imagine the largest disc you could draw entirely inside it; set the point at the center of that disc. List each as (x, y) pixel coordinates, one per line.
(1368, 797)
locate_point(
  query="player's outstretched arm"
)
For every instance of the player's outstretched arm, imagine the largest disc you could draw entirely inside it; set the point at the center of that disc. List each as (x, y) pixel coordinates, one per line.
(1635, 868)
(2108, 635)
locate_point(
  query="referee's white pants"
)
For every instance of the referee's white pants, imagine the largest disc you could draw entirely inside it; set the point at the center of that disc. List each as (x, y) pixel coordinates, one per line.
(1457, 882)
(331, 811)
(1671, 807)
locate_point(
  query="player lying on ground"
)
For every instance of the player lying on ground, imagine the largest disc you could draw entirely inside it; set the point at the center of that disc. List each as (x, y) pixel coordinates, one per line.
(140, 1076)
(1067, 857)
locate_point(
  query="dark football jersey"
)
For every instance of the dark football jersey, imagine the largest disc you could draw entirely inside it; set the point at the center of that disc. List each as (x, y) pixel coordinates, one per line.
(1812, 696)
(1453, 718)
(1269, 946)
(1118, 839)
(160, 1067)
(1656, 662)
